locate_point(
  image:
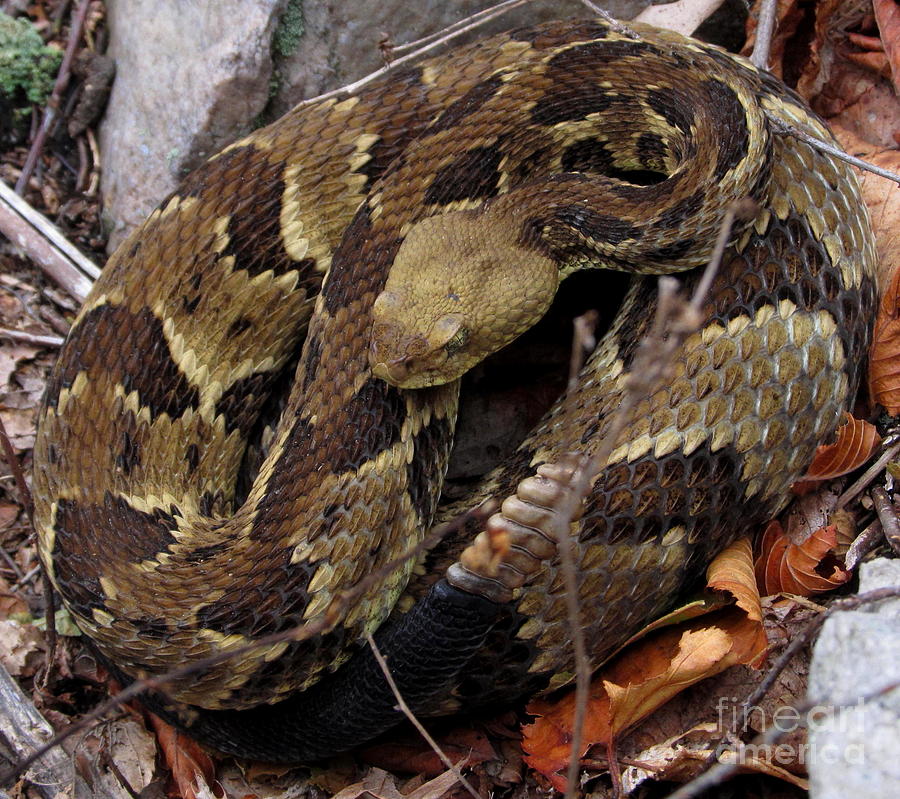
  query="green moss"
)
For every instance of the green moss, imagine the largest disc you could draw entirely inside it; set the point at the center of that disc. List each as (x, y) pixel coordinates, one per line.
(290, 29)
(27, 67)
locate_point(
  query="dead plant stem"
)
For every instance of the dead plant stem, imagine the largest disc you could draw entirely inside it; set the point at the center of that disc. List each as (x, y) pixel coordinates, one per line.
(411, 717)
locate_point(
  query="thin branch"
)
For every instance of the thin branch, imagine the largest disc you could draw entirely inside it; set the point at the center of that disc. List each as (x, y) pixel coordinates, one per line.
(411, 717)
(866, 478)
(463, 25)
(789, 130)
(301, 633)
(31, 338)
(62, 80)
(673, 322)
(15, 467)
(27, 578)
(764, 30)
(863, 544)
(43, 242)
(10, 561)
(50, 617)
(617, 26)
(583, 341)
(887, 515)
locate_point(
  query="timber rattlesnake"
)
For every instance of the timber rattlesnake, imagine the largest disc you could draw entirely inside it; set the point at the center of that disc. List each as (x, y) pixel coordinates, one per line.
(555, 148)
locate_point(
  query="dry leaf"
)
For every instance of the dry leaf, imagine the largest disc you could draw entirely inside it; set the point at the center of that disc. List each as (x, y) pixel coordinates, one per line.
(378, 784)
(732, 571)
(20, 647)
(883, 201)
(413, 755)
(19, 427)
(811, 511)
(884, 356)
(846, 93)
(887, 15)
(652, 671)
(855, 442)
(133, 750)
(9, 512)
(803, 569)
(11, 356)
(10, 602)
(192, 769)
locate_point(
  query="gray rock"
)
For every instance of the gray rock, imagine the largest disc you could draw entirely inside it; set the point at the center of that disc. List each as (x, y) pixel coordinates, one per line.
(340, 41)
(853, 751)
(192, 77)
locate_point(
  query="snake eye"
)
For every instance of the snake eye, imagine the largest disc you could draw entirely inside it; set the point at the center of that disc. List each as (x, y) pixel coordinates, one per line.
(456, 343)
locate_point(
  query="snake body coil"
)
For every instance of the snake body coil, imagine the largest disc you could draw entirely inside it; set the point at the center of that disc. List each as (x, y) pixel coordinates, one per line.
(559, 147)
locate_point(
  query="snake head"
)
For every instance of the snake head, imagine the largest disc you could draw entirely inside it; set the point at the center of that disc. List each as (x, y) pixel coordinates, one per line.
(412, 357)
(461, 287)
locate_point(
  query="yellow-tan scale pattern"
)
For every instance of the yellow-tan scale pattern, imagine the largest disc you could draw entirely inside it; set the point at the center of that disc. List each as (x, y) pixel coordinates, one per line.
(526, 143)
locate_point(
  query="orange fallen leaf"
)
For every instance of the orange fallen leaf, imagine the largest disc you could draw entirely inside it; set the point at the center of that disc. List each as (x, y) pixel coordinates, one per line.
(856, 440)
(873, 57)
(884, 356)
(803, 569)
(192, 769)
(649, 673)
(887, 15)
(732, 571)
(412, 755)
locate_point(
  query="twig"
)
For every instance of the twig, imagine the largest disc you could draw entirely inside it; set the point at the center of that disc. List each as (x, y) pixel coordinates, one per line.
(42, 241)
(301, 633)
(866, 478)
(16, 468)
(411, 717)
(887, 515)
(617, 26)
(864, 543)
(612, 763)
(31, 338)
(62, 80)
(444, 36)
(673, 322)
(764, 30)
(582, 343)
(463, 25)
(783, 128)
(27, 578)
(12, 564)
(50, 618)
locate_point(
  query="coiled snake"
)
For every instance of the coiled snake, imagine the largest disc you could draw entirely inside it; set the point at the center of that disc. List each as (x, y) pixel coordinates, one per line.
(456, 193)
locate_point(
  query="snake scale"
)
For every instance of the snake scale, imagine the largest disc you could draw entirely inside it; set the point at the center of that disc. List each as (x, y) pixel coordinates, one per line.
(338, 270)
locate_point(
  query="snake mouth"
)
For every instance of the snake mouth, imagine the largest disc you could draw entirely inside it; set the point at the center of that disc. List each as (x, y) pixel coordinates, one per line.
(393, 372)
(403, 371)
